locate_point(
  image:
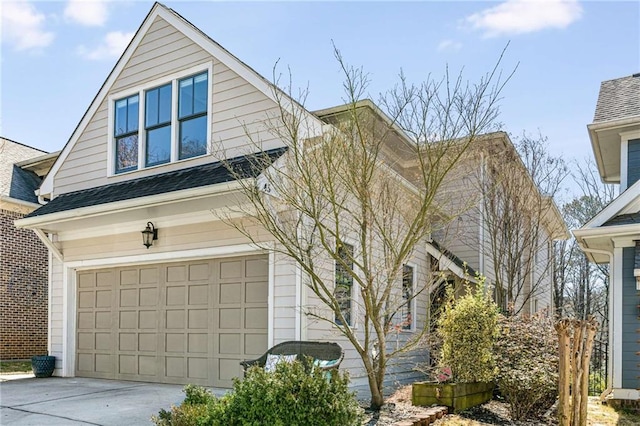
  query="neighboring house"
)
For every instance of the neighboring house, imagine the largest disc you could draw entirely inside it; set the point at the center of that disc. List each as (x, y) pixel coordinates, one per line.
(146, 154)
(613, 235)
(23, 257)
(503, 226)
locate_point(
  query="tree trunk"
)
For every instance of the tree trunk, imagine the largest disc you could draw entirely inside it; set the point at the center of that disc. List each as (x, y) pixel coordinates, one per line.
(575, 340)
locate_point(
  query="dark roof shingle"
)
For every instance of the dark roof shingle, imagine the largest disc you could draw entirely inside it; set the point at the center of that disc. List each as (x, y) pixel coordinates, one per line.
(623, 219)
(618, 99)
(23, 185)
(192, 177)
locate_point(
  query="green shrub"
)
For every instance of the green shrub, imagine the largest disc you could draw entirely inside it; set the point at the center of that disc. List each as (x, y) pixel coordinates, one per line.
(291, 395)
(468, 327)
(527, 357)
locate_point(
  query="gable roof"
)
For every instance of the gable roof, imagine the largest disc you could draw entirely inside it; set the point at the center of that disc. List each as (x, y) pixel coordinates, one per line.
(202, 40)
(618, 99)
(24, 183)
(177, 180)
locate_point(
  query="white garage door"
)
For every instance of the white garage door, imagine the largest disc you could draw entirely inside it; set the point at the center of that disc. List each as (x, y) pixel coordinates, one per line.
(172, 323)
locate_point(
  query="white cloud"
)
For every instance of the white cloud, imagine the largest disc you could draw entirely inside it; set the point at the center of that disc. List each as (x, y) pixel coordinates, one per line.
(112, 46)
(22, 26)
(450, 45)
(91, 13)
(525, 16)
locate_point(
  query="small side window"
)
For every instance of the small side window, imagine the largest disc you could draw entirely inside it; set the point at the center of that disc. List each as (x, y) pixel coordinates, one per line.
(344, 282)
(407, 295)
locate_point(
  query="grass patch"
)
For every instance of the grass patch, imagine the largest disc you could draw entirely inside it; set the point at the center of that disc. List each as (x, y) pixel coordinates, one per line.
(15, 367)
(600, 414)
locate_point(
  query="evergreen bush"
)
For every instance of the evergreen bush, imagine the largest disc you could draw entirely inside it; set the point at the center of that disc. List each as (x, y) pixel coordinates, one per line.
(468, 328)
(291, 395)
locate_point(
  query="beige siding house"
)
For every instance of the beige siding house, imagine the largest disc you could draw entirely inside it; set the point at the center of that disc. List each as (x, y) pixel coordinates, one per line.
(201, 298)
(468, 236)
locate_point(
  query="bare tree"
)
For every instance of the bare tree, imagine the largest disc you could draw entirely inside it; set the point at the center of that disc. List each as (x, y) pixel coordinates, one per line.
(516, 209)
(349, 213)
(583, 286)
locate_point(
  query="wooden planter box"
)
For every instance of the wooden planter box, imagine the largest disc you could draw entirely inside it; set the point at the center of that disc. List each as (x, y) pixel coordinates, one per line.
(456, 396)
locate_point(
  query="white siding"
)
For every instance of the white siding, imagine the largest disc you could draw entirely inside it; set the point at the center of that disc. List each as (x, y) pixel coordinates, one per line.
(163, 52)
(56, 312)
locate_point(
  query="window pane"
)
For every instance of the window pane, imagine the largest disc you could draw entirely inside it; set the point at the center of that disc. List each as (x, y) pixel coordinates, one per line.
(185, 106)
(200, 93)
(158, 146)
(164, 108)
(151, 105)
(344, 283)
(193, 137)
(120, 125)
(132, 114)
(126, 153)
(407, 294)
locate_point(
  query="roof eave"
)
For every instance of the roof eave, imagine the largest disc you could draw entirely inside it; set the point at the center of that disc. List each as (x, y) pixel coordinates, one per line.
(119, 206)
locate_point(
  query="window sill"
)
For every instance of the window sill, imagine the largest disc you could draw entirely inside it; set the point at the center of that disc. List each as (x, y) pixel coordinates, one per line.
(157, 166)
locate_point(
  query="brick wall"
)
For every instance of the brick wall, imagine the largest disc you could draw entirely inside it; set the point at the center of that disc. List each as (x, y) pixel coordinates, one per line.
(23, 291)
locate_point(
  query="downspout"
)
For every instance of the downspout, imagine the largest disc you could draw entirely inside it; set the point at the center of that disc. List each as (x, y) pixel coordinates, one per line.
(609, 389)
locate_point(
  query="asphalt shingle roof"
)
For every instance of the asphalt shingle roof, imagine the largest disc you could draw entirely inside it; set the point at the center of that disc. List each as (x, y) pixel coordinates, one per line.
(192, 177)
(23, 185)
(623, 219)
(619, 98)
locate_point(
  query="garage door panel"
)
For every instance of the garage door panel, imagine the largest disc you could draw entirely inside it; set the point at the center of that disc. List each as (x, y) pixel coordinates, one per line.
(255, 318)
(129, 277)
(256, 292)
(148, 297)
(148, 275)
(230, 269)
(230, 293)
(175, 342)
(128, 297)
(230, 318)
(176, 274)
(103, 341)
(199, 294)
(200, 272)
(175, 323)
(255, 343)
(229, 343)
(198, 343)
(257, 268)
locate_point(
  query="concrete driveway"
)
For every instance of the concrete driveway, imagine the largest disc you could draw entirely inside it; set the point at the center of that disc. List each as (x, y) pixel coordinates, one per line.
(80, 401)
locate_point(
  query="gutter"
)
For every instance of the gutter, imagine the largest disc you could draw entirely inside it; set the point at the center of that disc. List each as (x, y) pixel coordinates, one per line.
(19, 202)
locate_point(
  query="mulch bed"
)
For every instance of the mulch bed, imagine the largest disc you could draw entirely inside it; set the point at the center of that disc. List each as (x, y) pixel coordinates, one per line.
(398, 408)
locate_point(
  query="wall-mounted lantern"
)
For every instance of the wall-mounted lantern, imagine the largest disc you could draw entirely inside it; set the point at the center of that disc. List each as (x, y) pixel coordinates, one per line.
(149, 235)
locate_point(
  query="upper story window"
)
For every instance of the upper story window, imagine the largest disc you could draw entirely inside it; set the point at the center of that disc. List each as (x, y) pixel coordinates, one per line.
(161, 123)
(126, 133)
(192, 114)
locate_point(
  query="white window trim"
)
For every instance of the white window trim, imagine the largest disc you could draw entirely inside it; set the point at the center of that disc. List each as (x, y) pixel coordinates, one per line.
(355, 301)
(140, 91)
(414, 267)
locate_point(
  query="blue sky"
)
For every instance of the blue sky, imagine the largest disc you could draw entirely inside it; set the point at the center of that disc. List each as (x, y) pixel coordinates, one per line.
(55, 55)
